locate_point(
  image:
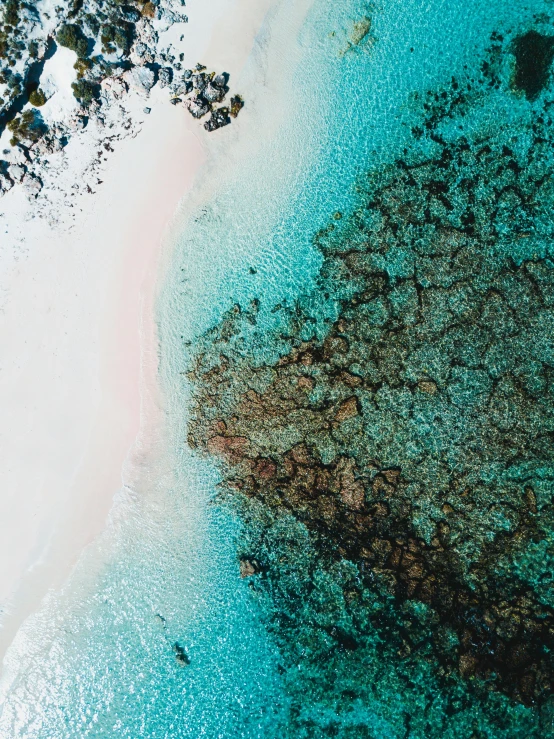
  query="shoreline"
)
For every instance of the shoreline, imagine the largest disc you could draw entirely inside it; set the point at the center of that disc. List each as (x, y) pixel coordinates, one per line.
(93, 369)
(109, 261)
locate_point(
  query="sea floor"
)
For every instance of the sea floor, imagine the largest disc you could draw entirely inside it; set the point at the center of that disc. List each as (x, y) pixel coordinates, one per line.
(375, 132)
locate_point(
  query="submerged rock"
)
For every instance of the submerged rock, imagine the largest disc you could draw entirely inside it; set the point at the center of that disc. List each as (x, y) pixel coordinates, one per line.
(534, 53)
(394, 467)
(180, 654)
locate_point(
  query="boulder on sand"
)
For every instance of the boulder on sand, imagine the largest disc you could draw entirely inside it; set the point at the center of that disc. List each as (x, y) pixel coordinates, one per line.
(142, 79)
(197, 107)
(32, 185)
(213, 94)
(218, 119)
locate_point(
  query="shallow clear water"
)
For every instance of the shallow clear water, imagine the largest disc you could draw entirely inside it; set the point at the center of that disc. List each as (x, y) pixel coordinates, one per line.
(99, 659)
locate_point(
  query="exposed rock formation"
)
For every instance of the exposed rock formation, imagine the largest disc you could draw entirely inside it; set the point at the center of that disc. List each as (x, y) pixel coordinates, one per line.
(117, 47)
(204, 90)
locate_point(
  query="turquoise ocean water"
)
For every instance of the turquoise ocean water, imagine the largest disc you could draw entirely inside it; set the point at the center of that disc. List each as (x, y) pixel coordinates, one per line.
(99, 660)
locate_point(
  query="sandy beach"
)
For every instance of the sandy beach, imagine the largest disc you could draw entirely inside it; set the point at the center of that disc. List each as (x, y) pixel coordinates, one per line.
(78, 342)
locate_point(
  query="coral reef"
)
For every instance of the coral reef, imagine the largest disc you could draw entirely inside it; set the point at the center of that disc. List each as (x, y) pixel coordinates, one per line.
(393, 467)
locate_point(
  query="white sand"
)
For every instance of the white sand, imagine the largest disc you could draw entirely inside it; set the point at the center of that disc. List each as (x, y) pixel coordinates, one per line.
(75, 321)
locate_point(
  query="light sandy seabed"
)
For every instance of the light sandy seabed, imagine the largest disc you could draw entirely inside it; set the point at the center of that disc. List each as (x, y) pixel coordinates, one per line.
(78, 347)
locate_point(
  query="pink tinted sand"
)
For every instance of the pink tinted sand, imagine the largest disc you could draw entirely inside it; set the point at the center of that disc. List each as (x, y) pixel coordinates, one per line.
(56, 506)
(79, 347)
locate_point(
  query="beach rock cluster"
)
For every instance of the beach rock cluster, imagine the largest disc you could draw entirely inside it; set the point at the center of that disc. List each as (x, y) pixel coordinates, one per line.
(202, 91)
(118, 49)
(394, 465)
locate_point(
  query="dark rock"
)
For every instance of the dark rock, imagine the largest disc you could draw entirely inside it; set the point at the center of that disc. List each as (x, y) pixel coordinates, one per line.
(220, 80)
(534, 53)
(197, 106)
(237, 104)
(199, 82)
(180, 654)
(129, 13)
(218, 119)
(213, 94)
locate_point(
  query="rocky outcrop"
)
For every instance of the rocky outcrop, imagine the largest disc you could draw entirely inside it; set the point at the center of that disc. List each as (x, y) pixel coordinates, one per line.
(117, 47)
(32, 185)
(202, 91)
(16, 172)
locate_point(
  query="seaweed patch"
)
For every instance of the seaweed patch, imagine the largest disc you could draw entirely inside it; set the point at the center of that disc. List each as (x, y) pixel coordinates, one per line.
(533, 55)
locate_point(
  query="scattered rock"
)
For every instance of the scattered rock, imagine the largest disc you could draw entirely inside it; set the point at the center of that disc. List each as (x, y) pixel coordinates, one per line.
(237, 104)
(198, 82)
(32, 185)
(17, 172)
(213, 94)
(17, 155)
(114, 86)
(146, 32)
(165, 77)
(142, 54)
(77, 123)
(218, 119)
(197, 107)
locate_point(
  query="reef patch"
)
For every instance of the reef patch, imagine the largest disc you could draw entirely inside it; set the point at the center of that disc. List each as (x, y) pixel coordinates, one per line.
(394, 466)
